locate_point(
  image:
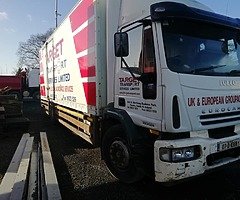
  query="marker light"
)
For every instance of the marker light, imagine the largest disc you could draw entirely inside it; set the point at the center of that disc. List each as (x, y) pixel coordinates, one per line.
(159, 9)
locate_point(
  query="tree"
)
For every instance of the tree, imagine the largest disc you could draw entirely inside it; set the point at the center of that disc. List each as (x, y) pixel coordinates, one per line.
(28, 52)
(17, 71)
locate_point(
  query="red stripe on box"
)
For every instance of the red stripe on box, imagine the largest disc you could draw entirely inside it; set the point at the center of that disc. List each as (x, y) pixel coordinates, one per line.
(41, 79)
(90, 93)
(85, 38)
(87, 65)
(42, 91)
(82, 13)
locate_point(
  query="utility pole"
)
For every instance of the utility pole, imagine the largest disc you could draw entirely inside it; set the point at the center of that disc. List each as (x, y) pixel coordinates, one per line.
(56, 25)
(56, 13)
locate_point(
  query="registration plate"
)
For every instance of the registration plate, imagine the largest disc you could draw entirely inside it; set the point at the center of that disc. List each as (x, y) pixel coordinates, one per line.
(223, 146)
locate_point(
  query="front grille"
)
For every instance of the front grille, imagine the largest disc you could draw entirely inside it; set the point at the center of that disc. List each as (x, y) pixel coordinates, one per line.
(217, 157)
(220, 118)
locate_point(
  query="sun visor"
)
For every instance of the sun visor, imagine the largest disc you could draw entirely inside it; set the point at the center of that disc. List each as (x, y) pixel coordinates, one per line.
(172, 10)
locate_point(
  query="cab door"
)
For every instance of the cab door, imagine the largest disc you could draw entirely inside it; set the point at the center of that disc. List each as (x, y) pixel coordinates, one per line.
(136, 89)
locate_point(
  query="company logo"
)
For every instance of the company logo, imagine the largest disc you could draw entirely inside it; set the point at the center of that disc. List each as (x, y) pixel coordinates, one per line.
(220, 110)
(228, 83)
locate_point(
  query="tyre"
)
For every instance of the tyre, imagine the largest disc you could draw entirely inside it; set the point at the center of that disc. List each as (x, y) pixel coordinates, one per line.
(118, 156)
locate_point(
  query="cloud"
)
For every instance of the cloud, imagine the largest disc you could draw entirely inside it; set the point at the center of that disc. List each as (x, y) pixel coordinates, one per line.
(3, 16)
(29, 17)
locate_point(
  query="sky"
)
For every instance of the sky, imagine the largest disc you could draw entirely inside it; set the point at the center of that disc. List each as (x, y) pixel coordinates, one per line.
(19, 19)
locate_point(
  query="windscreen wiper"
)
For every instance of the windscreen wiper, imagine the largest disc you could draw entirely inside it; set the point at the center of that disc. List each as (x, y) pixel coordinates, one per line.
(234, 73)
(207, 68)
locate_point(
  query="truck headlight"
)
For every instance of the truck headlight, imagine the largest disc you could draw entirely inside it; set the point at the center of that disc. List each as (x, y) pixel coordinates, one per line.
(179, 154)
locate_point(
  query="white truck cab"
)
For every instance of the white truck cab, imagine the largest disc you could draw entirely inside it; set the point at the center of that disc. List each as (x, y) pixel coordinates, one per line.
(178, 75)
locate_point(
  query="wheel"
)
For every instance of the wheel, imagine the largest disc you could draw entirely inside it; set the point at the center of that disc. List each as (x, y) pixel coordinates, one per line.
(118, 157)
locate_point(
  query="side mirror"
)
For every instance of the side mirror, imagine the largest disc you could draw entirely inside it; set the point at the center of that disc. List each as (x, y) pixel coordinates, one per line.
(121, 46)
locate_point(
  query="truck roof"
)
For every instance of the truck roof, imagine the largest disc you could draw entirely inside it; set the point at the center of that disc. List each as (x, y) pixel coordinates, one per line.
(135, 9)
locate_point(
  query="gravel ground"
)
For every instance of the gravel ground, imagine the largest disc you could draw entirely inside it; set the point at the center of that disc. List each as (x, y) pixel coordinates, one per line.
(83, 175)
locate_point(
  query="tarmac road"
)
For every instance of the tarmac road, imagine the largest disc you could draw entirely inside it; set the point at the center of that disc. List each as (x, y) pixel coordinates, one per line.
(83, 175)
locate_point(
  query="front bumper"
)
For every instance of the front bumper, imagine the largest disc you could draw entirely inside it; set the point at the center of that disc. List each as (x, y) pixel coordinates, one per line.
(211, 157)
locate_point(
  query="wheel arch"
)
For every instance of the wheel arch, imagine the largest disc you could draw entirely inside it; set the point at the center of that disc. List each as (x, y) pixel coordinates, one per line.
(114, 116)
(140, 142)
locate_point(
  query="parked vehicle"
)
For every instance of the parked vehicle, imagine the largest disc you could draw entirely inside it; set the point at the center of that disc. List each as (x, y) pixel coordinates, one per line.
(32, 86)
(154, 83)
(22, 85)
(11, 84)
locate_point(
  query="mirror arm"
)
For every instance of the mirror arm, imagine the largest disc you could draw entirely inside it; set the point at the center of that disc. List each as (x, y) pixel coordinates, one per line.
(129, 69)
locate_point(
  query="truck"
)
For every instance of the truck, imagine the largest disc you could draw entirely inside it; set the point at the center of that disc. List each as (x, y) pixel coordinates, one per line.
(31, 84)
(155, 84)
(11, 84)
(22, 85)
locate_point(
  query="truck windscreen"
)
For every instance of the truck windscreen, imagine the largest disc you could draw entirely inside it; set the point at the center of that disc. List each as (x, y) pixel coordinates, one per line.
(199, 48)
